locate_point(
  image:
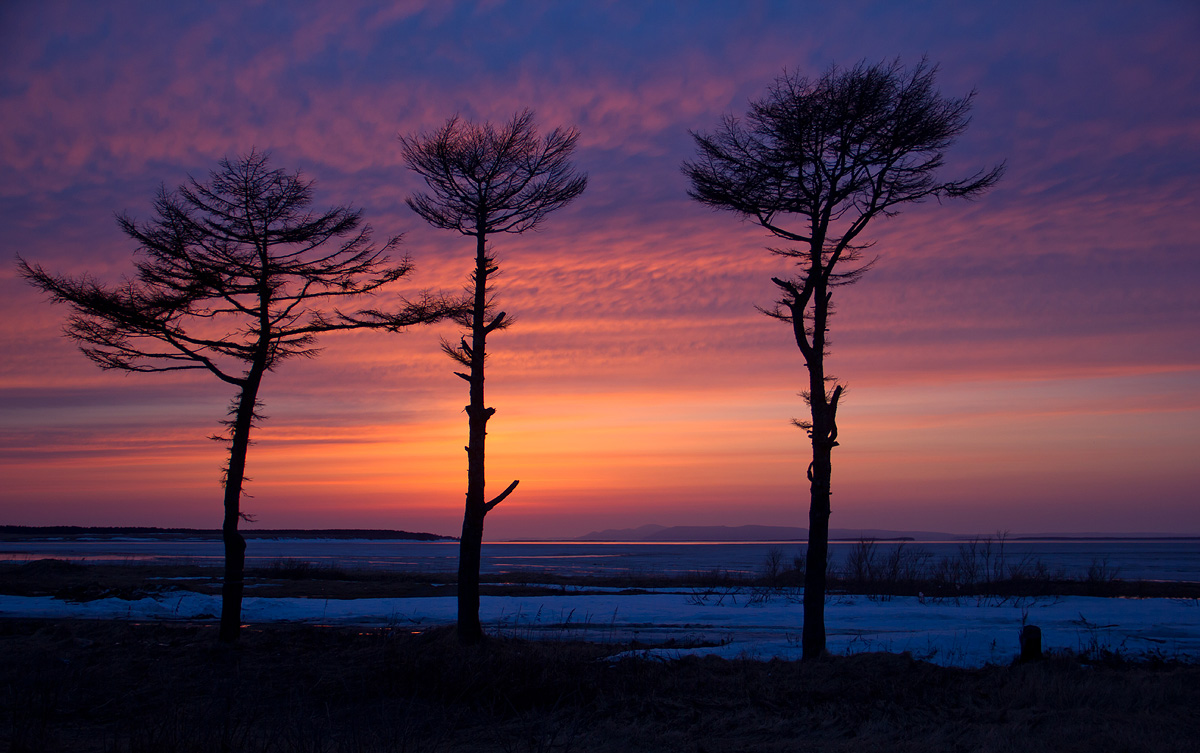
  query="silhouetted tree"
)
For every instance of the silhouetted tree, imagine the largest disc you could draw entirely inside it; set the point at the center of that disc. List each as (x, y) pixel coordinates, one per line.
(234, 276)
(483, 180)
(813, 163)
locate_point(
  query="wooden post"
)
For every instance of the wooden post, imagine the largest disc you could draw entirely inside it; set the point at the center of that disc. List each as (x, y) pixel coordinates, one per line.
(1031, 644)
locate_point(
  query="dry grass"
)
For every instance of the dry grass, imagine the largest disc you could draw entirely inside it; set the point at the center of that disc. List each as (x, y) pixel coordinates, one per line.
(297, 578)
(75, 581)
(114, 686)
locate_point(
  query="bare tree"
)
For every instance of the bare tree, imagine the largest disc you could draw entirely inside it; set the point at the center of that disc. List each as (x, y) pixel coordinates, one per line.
(485, 180)
(234, 276)
(813, 163)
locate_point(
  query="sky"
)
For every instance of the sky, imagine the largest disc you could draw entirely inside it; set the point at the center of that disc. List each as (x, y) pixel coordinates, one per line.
(1026, 362)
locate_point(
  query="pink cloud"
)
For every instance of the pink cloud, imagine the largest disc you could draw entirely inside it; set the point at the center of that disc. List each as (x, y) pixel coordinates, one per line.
(638, 373)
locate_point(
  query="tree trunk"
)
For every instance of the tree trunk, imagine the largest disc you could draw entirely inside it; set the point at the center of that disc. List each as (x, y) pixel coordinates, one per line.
(470, 631)
(816, 564)
(233, 585)
(471, 543)
(823, 433)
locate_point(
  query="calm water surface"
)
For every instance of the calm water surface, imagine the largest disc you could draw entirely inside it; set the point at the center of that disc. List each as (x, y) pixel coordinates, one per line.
(1158, 559)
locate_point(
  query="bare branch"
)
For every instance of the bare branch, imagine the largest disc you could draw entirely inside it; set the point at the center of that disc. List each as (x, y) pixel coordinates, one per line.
(486, 180)
(500, 497)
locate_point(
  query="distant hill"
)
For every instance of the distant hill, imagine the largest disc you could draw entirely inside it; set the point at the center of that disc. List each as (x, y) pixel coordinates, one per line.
(754, 533)
(16, 533)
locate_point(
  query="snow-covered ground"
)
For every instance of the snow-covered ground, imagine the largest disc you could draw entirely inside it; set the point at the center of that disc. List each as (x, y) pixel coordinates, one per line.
(966, 632)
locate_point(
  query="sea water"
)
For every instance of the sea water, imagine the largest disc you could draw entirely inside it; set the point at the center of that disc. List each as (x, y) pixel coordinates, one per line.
(1142, 559)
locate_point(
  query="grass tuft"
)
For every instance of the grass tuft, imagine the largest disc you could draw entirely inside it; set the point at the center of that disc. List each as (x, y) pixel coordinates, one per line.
(117, 687)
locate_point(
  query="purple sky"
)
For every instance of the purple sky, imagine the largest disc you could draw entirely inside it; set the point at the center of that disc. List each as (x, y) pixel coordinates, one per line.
(1027, 362)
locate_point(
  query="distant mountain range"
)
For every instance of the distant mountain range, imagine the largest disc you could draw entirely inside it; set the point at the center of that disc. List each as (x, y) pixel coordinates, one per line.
(9, 533)
(754, 533)
(794, 533)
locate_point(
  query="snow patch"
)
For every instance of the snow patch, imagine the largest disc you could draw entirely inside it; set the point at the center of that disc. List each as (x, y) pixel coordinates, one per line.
(965, 632)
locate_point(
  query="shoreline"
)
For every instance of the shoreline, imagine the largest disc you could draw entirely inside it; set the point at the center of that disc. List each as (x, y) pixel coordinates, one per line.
(721, 617)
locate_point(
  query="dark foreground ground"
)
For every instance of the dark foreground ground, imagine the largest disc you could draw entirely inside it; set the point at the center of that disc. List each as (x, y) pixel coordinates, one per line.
(115, 686)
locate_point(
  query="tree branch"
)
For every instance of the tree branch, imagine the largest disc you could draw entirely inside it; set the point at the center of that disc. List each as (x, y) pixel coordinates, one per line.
(500, 497)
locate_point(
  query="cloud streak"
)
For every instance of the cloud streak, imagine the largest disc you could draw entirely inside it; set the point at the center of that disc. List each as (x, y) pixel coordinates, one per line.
(1047, 332)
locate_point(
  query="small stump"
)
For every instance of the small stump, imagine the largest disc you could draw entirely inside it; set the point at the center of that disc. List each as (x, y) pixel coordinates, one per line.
(1031, 644)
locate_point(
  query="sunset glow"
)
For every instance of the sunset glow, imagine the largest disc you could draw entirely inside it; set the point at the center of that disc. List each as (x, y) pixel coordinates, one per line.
(1027, 362)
